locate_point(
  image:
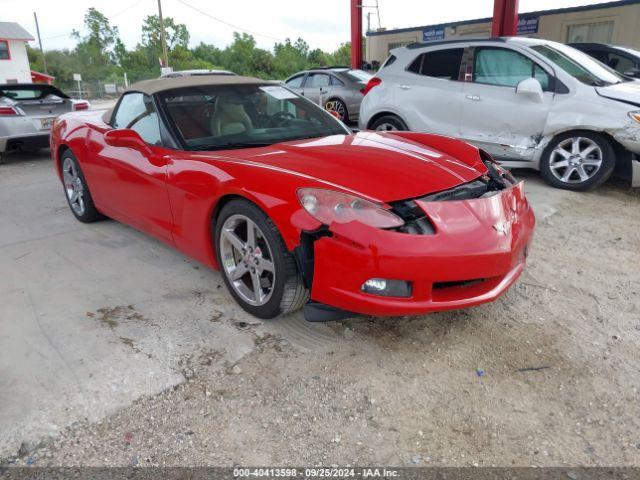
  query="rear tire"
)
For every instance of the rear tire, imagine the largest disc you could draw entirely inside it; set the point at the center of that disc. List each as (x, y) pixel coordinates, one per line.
(389, 123)
(337, 105)
(261, 275)
(578, 161)
(77, 191)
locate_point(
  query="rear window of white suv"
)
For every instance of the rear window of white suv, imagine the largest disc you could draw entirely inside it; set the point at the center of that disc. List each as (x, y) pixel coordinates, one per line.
(439, 63)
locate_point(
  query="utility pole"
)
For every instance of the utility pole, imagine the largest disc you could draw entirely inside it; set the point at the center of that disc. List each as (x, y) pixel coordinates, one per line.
(44, 59)
(165, 56)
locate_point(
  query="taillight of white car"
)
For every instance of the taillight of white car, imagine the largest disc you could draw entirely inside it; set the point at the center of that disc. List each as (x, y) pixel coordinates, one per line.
(6, 110)
(328, 206)
(80, 105)
(374, 82)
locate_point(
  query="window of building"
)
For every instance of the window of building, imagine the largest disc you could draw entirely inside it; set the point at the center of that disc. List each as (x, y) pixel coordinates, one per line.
(4, 50)
(392, 45)
(600, 32)
(506, 68)
(136, 111)
(439, 64)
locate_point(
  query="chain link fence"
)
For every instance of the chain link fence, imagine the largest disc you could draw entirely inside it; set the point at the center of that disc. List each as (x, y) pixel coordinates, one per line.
(96, 90)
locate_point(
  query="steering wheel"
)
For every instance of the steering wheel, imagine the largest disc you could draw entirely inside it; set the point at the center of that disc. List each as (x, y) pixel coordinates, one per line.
(207, 109)
(280, 119)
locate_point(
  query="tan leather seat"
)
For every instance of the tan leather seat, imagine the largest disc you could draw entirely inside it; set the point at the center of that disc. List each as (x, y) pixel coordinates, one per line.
(229, 118)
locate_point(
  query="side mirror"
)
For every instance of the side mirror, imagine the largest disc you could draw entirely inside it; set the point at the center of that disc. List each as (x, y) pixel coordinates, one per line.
(530, 87)
(125, 137)
(633, 72)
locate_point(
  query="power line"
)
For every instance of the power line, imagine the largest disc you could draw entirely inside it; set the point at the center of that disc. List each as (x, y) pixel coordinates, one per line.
(133, 5)
(257, 34)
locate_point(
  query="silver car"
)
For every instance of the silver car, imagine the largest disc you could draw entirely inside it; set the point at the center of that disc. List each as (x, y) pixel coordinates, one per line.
(195, 72)
(338, 89)
(27, 111)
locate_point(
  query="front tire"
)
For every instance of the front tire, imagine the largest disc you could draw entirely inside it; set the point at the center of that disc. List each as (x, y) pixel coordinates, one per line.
(389, 123)
(578, 161)
(77, 191)
(258, 270)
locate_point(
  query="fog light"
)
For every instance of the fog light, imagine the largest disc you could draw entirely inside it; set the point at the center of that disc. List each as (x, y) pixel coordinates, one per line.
(387, 288)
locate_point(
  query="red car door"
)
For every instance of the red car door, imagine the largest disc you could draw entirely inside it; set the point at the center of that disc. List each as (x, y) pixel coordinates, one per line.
(134, 186)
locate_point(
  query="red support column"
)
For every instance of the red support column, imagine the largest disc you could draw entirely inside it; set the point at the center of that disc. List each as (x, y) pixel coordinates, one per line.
(510, 22)
(356, 34)
(498, 16)
(505, 18)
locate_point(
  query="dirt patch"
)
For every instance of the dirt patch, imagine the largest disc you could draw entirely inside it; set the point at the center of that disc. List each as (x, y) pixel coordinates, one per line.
(112, 317)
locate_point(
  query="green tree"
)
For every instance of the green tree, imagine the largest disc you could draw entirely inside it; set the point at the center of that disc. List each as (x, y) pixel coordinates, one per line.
(95, 50)
(289, 57)
(100, 54)
(342, 56)
(243, 58)
(208, 53)
(176, 34)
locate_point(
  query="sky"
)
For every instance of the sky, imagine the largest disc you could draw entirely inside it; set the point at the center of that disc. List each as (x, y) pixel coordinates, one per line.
(323, 23)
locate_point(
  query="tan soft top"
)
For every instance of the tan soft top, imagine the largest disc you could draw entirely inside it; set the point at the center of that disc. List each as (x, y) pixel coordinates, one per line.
(156, 85)
(159, 84)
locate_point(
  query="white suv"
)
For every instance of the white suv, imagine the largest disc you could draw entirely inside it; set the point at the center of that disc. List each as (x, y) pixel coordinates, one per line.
(528, 102)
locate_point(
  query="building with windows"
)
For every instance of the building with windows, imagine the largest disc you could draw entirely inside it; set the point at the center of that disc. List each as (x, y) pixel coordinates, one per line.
(14, 63)
(611, 22)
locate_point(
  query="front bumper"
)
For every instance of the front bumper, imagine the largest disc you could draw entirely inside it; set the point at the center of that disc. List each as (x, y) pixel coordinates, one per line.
(478, 251)
(635, 172)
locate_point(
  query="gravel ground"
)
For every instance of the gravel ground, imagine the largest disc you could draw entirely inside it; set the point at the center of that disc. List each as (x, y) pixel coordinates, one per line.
(547, 375)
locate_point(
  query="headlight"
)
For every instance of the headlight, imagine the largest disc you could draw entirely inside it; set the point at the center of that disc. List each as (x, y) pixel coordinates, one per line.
(635, 116)
(328, 207)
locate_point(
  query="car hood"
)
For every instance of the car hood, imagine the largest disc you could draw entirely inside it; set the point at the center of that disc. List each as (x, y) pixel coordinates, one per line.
(381, 166)
(628, 92)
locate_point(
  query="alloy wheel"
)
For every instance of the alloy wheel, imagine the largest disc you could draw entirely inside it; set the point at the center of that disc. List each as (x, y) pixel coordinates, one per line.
(336, 106)
(575, 160)
(247, 260)
(386, 127)
(73, 186)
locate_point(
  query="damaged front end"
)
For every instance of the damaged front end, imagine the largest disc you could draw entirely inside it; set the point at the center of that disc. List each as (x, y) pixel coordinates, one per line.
(452, 249)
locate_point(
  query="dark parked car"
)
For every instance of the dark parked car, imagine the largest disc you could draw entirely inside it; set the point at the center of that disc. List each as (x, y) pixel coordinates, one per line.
(338, 89)
(622, 59)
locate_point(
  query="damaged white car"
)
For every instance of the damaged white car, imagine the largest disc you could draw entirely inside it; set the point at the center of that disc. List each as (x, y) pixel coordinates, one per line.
(530, 103)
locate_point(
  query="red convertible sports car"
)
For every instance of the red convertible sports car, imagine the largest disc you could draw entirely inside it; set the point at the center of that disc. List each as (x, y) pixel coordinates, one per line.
(293, 207)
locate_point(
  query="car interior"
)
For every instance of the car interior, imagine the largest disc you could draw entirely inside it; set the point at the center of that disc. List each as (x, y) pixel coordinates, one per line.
(223, 116)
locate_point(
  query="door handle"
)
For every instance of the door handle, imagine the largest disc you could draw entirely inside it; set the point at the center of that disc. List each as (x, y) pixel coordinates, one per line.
(405, 87)
(475, 98)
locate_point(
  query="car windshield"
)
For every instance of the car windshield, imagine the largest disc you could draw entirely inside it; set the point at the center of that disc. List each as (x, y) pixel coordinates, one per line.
(580, 65)
(633, 52)
(216, 117)
(30, 92)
